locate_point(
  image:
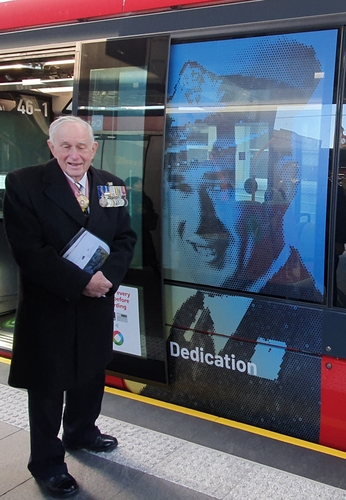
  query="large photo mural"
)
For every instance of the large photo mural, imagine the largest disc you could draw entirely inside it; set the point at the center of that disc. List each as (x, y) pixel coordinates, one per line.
(247, 145)
(248, 135)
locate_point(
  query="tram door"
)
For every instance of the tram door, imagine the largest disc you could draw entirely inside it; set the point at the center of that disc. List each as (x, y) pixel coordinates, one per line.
(121, 92)
(34, 88)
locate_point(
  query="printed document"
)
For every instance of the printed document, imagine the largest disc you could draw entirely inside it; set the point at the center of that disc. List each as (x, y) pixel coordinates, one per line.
(87, 251)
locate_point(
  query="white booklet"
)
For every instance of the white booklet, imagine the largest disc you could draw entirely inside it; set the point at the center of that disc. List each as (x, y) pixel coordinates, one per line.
(87, 251)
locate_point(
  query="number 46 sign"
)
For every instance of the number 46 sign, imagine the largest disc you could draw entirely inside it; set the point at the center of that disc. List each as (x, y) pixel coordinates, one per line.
(31, 106)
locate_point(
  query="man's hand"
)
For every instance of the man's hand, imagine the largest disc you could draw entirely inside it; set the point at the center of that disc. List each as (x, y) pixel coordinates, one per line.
(98, 286)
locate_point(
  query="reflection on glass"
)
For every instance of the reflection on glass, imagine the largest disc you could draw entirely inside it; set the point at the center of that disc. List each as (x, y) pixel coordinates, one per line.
(339, 292)
(123, 155)
(144, 220)
(246, 163)
(24, 121)
(121, 93)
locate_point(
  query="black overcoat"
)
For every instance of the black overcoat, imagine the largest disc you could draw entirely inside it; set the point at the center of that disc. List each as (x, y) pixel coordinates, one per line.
(62, 338)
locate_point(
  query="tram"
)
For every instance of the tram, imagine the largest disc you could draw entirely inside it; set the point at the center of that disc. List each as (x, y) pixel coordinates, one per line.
(227, 122)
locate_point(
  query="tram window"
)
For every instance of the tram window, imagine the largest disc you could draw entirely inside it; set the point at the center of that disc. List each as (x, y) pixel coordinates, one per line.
(246, 163)
(33, 86)
(125, 103)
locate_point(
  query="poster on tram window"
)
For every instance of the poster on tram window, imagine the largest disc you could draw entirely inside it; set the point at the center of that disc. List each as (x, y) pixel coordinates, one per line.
(248, 136)
(126, 331)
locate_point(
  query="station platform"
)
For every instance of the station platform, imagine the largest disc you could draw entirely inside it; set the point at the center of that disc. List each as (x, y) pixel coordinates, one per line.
(167, 452)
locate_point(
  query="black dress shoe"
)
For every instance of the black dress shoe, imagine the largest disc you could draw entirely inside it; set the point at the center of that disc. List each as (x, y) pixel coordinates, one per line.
(60, 486)
(103, 443)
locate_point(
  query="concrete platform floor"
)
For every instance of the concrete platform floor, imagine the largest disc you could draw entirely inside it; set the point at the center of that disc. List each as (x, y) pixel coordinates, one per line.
(165, 454)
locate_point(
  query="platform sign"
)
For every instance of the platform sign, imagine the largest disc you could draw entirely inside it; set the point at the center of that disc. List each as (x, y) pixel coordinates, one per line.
(126, 331)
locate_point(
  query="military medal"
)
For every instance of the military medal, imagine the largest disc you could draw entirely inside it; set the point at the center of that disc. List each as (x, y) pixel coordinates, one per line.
(103, 201)
(83, 202)
(81, 198)
(112, 196)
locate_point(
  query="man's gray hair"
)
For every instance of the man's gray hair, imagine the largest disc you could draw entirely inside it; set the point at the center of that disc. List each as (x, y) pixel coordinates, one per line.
(69, 119)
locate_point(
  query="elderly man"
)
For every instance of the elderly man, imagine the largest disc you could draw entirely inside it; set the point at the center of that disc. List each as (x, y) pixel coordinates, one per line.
(63, 334)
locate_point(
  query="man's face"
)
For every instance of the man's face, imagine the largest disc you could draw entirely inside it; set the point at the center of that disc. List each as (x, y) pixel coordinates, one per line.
(72, 149)
(219, 235)
(204, 220)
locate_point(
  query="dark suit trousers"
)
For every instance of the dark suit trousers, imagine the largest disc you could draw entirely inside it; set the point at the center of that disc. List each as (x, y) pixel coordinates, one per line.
(82, 407)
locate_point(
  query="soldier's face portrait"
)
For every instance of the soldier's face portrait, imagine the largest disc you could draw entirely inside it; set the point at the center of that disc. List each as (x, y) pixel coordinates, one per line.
(246, 162)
